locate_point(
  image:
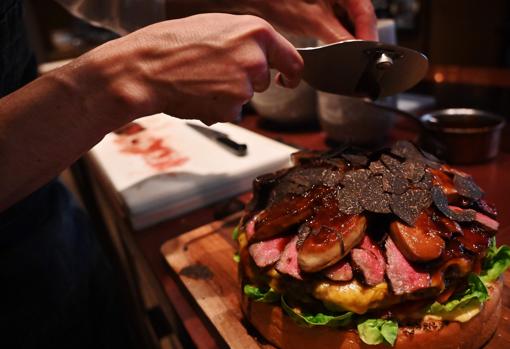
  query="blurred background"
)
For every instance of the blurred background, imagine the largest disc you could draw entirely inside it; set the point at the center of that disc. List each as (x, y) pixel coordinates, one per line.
(467, 42)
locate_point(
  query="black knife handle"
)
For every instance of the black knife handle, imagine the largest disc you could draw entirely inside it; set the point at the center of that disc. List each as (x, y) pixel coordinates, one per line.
(237, 148)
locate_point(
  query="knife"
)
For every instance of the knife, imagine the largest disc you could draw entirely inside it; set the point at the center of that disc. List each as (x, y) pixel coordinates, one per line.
(360, 68)
(222, 138)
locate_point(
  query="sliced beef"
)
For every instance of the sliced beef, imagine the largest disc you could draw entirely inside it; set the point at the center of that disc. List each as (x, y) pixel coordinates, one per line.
(341, 271)
(369, 259)
(288, 263)
(266, 253)
(487, 222)
(404, 278)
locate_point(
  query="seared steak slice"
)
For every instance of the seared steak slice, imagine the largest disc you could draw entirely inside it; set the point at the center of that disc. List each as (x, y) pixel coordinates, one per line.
(420, 243)
(288, 263)
(266, 253)
(369, 259)
(404, 278)
(341, 271)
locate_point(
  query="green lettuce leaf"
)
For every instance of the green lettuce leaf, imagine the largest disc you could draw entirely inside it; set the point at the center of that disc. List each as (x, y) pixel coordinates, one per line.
(496, 262)
(259, 295)
(236, 257)
(319, 319)
(235, 233)
(377, 331)
(476, 291)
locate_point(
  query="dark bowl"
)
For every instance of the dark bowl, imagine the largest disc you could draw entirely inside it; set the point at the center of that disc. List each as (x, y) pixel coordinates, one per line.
(461, 135)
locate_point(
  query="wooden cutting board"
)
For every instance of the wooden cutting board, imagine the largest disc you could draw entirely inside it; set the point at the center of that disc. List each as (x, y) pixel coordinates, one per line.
(203, 261)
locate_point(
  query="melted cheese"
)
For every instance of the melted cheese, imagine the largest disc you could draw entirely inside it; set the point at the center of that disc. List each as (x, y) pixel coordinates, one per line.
(351, 296)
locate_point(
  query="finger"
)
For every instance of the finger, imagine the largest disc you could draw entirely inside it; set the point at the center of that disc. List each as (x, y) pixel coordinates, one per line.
(282, 81)
(331, 30)
(362, 14)
(282, 56)
(261, 81)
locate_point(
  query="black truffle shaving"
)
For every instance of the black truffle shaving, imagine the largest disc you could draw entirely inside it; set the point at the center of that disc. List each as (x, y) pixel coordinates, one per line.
(441, 202)
(486, 208)
(413, 170)
(356, 179)
(406, 150)
(377, 167)
(467, 187)
(373, 198)
(409, 205)
(349, 201)
(426, 182)
(391, 163)
(394, 183)
(409, 151)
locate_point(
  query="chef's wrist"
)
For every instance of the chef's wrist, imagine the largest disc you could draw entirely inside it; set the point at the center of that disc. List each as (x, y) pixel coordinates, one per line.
(108, 86)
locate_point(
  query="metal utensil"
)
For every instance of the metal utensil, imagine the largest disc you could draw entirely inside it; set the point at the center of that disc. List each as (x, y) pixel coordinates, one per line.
(456, 135)
(222, 138)
(362, 68)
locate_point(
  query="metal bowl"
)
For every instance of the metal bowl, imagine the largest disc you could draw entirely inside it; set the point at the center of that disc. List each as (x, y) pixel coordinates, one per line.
(461, 135)
(354, 121)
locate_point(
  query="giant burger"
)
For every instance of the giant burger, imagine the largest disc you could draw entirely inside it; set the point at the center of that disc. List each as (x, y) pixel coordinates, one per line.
(354, 250)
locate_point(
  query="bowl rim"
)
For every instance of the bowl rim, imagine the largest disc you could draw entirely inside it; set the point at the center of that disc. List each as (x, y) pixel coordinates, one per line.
(499, 121)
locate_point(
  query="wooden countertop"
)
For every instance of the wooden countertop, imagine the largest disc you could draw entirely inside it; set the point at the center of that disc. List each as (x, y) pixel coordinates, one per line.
(492, 177)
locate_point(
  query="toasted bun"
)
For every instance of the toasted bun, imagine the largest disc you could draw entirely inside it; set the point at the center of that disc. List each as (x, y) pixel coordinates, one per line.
(279, 329)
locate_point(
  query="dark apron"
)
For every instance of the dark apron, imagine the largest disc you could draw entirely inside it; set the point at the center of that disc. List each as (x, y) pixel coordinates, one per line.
(56, 287)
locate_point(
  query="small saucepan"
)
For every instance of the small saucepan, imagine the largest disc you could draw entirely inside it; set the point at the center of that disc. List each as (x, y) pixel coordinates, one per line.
(456, 135)
(459, 135)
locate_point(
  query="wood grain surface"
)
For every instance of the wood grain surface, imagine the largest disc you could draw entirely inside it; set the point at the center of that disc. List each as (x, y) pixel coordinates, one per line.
(202, 260)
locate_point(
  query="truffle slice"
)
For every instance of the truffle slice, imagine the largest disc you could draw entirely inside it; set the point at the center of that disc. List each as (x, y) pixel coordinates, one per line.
(441, 202)
(467, 187)
(409, 205)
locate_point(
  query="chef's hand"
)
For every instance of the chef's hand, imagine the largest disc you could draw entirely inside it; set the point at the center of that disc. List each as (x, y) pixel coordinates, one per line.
(323, 19)
(326, 20)
(204, 66)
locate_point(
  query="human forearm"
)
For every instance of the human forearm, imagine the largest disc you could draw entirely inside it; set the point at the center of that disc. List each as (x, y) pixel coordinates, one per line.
(48, 124)
(203, 67)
